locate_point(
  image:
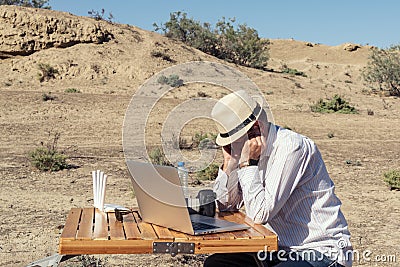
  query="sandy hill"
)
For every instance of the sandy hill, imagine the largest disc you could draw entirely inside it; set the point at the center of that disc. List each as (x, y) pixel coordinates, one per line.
(95, 54)
(107, 63)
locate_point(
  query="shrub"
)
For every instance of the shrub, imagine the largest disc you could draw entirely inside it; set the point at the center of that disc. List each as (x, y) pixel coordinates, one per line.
(72, 90)
(392, 178)
(47, 157)
(204, 140)
(240, 45)
(47, 72)
(48, 97)
(87, 261)
(162, 55)
(383, 69)
(27, 3)
(172, 80)
(336, 104)
(202, 94)
(100, 15)
(209, 173)
(157, 156)
(286, 69)
(180, 143)
(353, 162)
(190, 32)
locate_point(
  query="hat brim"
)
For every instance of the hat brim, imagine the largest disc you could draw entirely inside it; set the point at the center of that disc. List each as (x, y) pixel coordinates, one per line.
(223, 141)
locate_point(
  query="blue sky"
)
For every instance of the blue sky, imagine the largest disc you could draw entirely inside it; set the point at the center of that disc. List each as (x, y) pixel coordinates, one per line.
(330, 22)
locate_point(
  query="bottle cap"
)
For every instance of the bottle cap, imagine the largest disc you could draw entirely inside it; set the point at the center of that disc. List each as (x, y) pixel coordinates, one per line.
(181, 163)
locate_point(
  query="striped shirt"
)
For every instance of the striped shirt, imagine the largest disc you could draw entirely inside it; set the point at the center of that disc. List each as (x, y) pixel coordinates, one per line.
(291, 193)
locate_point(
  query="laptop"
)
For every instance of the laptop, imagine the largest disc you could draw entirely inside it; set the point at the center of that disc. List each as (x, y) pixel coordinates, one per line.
(161, 201)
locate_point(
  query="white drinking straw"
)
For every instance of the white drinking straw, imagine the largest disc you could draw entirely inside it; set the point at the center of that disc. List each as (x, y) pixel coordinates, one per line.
(103, 193)
(94, 187)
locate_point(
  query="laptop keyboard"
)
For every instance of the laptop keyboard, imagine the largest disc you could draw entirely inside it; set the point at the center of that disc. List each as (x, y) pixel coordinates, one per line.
(203, 226)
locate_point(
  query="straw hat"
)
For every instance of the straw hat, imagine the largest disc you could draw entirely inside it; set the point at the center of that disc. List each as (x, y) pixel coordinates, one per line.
(234, 115)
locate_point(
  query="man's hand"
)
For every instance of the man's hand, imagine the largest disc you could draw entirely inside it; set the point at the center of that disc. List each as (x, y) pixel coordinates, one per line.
(231, 155)
(254, 145)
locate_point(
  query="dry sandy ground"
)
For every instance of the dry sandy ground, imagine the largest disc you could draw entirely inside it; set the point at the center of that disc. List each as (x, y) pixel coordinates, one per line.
(34, 204)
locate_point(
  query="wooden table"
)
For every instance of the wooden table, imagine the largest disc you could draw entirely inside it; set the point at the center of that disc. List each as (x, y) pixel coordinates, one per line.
(89, 231)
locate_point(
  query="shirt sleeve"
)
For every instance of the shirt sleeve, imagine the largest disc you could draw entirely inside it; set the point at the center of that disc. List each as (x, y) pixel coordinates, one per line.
(228, 190)
(264, 198)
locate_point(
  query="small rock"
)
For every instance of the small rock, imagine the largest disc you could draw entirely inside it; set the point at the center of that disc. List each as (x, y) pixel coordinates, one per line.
(351, 47)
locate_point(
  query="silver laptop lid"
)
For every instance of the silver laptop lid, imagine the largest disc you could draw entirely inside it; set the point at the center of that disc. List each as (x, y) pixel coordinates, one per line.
(160, 196)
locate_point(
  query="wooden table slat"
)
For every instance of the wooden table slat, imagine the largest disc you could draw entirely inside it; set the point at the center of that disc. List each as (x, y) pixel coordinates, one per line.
(179, 236)
(226, 236)
(241, 218)
(86, 224)
(259, 227)
(230, 216)
(163, 233)
(116, 227)
(221, 236)
(241, 234)
(71, 224)
(146, 229)
(131, 227)
(210, 236)
(100, 225)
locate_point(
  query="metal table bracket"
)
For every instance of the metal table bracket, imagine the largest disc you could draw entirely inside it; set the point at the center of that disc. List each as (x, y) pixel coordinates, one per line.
(173, 248)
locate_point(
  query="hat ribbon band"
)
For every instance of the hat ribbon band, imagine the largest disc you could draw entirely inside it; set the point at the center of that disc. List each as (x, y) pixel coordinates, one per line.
(251, 118)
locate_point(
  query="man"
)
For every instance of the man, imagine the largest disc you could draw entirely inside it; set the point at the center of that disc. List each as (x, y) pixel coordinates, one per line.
(282, 181)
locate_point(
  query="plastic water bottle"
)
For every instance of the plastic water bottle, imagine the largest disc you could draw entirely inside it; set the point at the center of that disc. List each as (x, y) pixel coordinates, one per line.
(183, 176)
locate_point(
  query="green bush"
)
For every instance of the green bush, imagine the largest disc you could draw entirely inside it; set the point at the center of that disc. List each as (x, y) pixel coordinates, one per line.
(157, 157)
(27, 3)
(190, 32)
(47, 72)
(209, 173)
(172, 80)
(293, 72)
(392, 178)
(240, 45)
(204, 140)
(383, 70)
(336, 104)
(48, 158)
(72, 90)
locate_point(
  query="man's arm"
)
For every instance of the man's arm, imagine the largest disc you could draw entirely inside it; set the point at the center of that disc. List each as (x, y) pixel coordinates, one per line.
(227, 187)
(284, 170)
(228, 190)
